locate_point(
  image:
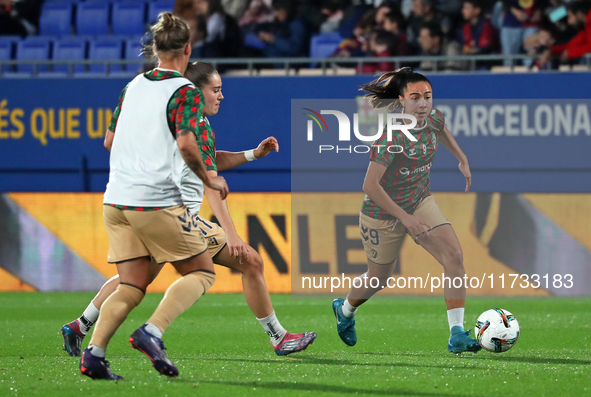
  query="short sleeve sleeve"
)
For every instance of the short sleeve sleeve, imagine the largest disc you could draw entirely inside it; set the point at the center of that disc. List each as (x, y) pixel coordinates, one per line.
(438, 121)
(206, 142)
(379, 152)
(185, 108)
(115, 117)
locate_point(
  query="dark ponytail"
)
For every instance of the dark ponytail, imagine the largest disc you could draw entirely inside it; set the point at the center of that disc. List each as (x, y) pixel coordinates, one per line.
(383, 92)
(199, 73)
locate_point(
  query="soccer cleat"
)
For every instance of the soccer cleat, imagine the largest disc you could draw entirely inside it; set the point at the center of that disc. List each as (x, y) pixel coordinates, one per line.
(73, 338)
(460, 341)
(345, 326)
(96, 367)
(293, 343)
(153, 347)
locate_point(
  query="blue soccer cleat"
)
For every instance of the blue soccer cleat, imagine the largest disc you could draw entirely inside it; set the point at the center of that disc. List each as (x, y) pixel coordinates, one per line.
(345, 326)
(153, 347)
(96, 367)
(73, 338)
(293, 343)
(460, 341)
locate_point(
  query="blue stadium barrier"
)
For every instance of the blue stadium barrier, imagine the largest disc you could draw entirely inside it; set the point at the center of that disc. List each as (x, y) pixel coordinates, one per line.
(55, 143)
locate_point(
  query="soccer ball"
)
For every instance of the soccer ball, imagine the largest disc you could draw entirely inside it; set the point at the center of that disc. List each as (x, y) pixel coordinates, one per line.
(497, 330)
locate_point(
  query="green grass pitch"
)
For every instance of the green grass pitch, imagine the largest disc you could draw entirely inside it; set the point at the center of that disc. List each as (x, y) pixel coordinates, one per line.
(221, 350)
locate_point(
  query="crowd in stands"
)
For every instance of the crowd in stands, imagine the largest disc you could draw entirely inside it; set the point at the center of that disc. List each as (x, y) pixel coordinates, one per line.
(555, 32)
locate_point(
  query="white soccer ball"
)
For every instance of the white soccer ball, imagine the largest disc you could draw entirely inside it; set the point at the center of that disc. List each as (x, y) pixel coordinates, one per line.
(497, 330)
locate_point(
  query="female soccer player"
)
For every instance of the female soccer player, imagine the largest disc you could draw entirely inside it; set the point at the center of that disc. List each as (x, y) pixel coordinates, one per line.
(224, 245)
(398, 202)
(143, 208)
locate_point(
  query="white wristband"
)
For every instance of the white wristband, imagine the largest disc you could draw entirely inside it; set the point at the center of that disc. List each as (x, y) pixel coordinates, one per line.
(249, 154)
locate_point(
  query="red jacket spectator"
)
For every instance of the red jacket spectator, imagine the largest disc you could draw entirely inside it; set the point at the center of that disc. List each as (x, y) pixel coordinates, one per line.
(578, 45)
(479, 38)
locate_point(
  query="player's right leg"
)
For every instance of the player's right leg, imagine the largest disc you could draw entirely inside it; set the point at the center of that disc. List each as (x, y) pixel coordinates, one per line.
(171, 236)
(382, 240)
(132, 257)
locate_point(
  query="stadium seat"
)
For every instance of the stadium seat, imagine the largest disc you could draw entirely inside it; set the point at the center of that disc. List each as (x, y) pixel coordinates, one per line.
(33, 49)
(69, 49)
(107, 49)
(7, 45)
(157, 7)
(92, 18)
(133, 48)
(324, 45)
(128, 18)
(56, 18)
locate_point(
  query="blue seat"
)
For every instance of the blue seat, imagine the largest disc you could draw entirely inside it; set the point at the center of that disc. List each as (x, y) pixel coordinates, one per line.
(107, 49)
(157, 7)
(133, 48)
(324, 45)
(128, 18)
(92, 18)
(69, 49)
(56, 18)
(7, 45)
(36, 49)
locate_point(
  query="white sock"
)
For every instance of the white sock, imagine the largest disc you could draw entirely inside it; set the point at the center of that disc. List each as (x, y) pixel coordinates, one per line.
(97, 351)
(348, 309)
(455, 317)
(154, 330)
(273, 328)
(88, 318)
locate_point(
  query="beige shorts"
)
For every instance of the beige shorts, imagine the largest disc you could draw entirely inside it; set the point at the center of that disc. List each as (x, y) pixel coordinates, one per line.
(167, 235)
(382, 239)
(214, 235)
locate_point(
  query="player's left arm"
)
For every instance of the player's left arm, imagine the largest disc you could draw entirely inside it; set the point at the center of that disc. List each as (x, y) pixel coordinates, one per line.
(226, 160)
(111, 130)
(447, 139)
(109, 136)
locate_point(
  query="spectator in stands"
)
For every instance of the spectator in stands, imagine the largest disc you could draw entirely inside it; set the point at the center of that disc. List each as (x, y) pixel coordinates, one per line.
(521, 20)
(394, 23)
(542, 43)
(423, 11)
(185, 9)
(579, 17)
(354, 14)
(356, 46)
(223, 33)
(12, 21)
(334, 10)
(433, 44)
(381, 12)
(382, 44)
(478, 32)
(200, 48)
(258, 12)
(235, 8)
(288, 36)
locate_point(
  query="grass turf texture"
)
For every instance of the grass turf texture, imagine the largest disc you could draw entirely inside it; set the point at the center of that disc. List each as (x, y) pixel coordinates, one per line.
(221, 350)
